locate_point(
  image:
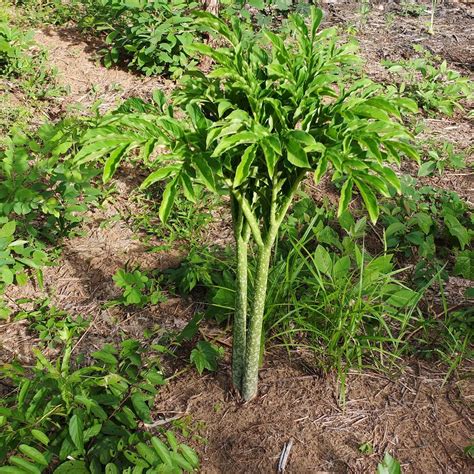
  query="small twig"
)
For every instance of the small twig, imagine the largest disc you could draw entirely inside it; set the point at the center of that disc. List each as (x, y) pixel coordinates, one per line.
(285, 455)
(164, 421)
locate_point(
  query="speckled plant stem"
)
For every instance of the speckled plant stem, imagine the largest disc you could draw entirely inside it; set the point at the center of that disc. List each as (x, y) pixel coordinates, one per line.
(254, 335)
(240, 316)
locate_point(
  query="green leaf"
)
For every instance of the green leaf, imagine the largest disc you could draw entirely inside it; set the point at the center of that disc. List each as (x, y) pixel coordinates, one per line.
(187, 187)
(321, 169)
(167, 201)
(11, 470)
(389, 465)
(369, 111)
(316, 17)
(403, 298)
(105, 356)
(72, 467)
(322, 260)
(33, 454)
(205, 356)
(159, 175)
(346, 196)
(229, 142)
(205, 172)
(197, 117)
(141, 407)
(427, 168)
(40, 436)
(424, 222)
(8, 229)
(76, 432)
(456, 229)
(394, 228)
(296, 154)
(270, 154)
(408, 104)
(243, 170)
(113, 161)
(369, 199)
(342, 267)
(464, 265)
(258, 4)
(25, 465)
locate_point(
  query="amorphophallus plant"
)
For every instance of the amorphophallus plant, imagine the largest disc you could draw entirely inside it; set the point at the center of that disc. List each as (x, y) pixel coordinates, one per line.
(271, 111)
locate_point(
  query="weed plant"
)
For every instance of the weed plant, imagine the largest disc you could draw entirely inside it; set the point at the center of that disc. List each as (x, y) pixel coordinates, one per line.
(87, 419)
(428, 80)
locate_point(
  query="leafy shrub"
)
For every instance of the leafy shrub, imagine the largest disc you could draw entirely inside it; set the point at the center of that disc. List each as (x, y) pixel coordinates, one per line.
(43, 196)
(41, 188)
(150, 36)
(257, 143)
(88, 419)
(430, 82)
(430, 223)
(18, 258)
(22, 59)
(14, 44)
(138, 288)
(55, 12)
(50, 322)
(441, 157)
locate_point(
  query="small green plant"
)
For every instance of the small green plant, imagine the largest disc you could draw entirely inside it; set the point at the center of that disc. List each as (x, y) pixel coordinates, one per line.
(41, 188)
(87, 419)
(205, 356)
(431, 223)
(22, 60)
(149, 36)
(138, 288)
(411, 8)
(428, 80)
(50, 322)
(441, 158)
(389, 465)
(469, 450)
(266, 116)
(366, 448)
(19, 260)
(52, 12)
(187, 223)
(43, 197)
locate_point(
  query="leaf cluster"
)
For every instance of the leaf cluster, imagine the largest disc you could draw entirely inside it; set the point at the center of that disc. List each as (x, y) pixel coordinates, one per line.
(150, 36)
(431, 223)
(43, 196)
(138, 288)
(428, 80)
(267, 114)
(92, 415)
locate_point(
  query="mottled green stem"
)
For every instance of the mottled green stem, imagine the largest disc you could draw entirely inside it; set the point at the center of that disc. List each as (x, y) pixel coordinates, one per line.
(240, 314)
(278, 210)
(254, 334)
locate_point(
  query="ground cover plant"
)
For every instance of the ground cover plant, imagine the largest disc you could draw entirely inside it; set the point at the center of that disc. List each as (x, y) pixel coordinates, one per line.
(435, 225)
(429, 81)
(44, 196)
(86, 419)
(257, 143)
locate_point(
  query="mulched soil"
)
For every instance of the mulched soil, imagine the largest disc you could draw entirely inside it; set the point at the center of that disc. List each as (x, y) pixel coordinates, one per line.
(413, 414)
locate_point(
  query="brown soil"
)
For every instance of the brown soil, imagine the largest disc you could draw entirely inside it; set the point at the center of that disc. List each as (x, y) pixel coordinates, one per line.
(422, 422)
(76, 58)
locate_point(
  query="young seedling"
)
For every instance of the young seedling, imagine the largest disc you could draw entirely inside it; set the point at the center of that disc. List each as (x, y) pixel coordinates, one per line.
(267, 114)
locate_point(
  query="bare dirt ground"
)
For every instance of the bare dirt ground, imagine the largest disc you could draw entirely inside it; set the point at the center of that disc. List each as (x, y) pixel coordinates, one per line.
(413, 415)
